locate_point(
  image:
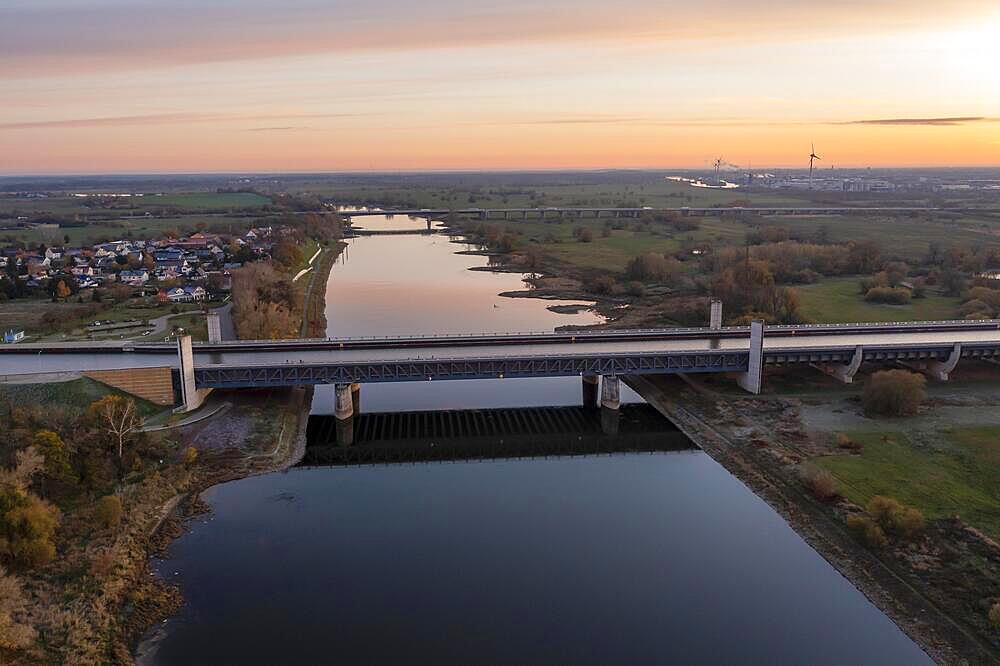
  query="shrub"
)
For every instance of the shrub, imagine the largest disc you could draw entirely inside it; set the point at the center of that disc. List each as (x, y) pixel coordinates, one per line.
(102, 564)
(108, 511)
(995, 616)
(867, 530)
(896, 518)
(889, 295)
(894, 393)
(190, 456)
(845, 442)
(636, 289)
(586, 235)
(819, 482)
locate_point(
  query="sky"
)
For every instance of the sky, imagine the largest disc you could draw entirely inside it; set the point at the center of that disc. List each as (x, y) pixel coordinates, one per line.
(105, 86)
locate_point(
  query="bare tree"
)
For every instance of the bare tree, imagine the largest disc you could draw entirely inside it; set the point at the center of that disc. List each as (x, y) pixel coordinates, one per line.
(118, 416)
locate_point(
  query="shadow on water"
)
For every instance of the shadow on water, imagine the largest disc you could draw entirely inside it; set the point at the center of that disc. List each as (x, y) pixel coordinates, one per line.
(406, 437)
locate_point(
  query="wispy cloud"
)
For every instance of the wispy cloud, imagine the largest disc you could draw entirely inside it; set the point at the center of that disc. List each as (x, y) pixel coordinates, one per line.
(43, 38)
(940, 122)
(168, 119)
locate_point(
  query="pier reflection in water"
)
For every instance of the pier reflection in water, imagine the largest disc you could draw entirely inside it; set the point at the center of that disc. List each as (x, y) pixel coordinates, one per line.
(490, 434)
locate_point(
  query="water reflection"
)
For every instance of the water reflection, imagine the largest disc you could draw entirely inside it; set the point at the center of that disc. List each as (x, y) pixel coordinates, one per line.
(420, 285)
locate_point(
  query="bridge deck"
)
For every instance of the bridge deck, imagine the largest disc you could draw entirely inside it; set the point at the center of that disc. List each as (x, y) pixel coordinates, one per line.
(711, 351)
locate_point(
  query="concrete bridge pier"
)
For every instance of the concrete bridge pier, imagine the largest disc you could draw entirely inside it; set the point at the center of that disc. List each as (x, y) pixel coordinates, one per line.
(214, 322)
(356, 398)
(343, 411)
(610, 404)
(715, 314)
(192, 397)
(589, 391)
(843, 371)
(753, 379)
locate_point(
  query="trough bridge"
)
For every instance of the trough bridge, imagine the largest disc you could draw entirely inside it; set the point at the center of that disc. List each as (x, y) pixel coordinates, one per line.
(196, 368)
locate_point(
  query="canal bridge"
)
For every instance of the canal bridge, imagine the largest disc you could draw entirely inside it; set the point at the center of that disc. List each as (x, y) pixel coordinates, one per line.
(190, 370)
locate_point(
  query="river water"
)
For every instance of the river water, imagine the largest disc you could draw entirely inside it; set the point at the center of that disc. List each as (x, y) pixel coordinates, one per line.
(625, 558)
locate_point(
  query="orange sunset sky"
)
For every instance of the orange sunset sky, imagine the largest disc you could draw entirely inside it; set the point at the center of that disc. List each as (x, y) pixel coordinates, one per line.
(304, 85)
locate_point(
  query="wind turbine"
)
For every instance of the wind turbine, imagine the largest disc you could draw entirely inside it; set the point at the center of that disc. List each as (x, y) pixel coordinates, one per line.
(812, 157)
(718, 165)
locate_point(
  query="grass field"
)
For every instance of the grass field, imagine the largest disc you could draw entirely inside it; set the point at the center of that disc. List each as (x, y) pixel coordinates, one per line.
(838, 300)
(902, 237)
(139, 229)
(69, 206)
(75, 395)
(960, 475)
(74, 317)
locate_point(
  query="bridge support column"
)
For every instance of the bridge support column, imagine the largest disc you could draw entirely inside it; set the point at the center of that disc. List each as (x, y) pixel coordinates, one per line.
(715, 314)
(343, 410)
(753, 379)
(844, 372)
(214, 326)
(191, 396)
(940, 370)
(589, 391)
(610, 404)
(356, 398)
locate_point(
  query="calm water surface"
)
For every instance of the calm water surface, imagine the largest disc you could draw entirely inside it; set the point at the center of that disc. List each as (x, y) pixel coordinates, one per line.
(631, 558)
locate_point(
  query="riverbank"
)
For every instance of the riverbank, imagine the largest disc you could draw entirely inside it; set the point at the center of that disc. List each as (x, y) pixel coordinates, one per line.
(933, 588)
(238, 443)
(938, 590)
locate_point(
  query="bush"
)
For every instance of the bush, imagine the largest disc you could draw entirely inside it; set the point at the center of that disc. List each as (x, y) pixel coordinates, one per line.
(102, 564)
(889, 295)
(995, 616)
(636, 289)
(108, 511)
(845, 442)
(819, 482)
(867, 530)
(896, 518)
(894, 393)
(190, 456)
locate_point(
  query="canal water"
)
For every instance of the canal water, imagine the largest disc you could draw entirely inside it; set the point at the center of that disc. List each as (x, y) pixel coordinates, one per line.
(656, 557)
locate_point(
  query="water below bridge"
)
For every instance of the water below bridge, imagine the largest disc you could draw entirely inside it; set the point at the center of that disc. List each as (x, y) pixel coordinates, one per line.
(611, 557)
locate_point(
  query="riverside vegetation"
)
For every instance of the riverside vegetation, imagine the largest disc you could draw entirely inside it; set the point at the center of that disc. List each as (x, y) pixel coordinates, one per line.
(86, 495)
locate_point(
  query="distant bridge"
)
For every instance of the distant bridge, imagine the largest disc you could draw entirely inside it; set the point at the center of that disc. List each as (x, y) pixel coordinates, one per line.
(542, 213)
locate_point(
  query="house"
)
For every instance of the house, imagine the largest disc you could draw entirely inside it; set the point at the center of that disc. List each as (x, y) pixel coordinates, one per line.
(12, 336)
(135, 278)
(186, 294)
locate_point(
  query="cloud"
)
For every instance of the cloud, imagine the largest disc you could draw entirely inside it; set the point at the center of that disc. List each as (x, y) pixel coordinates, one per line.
(168, 119)
(939, 122)
(50, 37)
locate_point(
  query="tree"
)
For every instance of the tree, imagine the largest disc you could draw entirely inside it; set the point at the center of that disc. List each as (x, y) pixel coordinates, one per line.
(894, 393)
(62, 291)
(27, 522)
(108, 511)
(117, 416)
(13, 634)
(53, 449)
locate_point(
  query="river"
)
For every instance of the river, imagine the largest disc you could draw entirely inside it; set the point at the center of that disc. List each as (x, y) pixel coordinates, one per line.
(624, 558)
